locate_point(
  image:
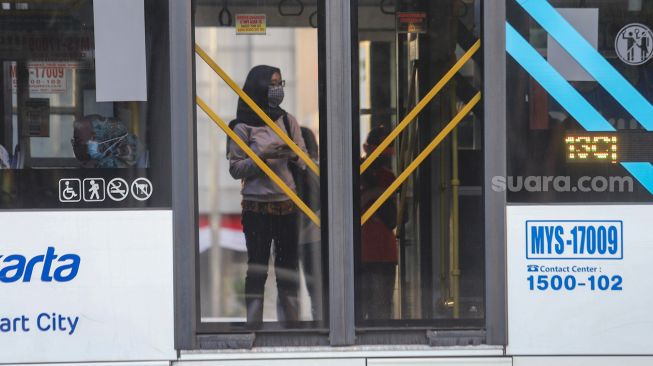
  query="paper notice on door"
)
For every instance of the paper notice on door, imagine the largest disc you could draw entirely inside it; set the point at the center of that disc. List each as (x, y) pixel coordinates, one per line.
(120, 71)
(251, 24)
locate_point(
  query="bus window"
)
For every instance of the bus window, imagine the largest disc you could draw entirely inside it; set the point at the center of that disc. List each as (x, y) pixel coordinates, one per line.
(63, 141)
(262, 261)
(579, 127)
(419, 257)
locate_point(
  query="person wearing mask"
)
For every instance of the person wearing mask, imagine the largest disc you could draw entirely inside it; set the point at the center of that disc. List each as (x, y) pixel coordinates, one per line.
(379, 250)
(100, 142)
(267, 213)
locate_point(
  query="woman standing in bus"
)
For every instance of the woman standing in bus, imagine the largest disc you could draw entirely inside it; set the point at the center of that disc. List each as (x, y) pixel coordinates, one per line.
(268, 214)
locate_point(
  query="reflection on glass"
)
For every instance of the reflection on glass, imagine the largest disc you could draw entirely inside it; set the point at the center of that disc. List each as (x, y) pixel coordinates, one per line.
(262, 264)
(420, 255)
(101, 142)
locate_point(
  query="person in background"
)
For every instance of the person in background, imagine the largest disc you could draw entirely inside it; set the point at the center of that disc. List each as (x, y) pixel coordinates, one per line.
(100, 142)
(310, 248)
(268, 214)
(379, 250)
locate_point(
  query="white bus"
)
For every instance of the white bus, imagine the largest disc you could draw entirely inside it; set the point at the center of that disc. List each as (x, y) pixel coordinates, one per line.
(311, 182)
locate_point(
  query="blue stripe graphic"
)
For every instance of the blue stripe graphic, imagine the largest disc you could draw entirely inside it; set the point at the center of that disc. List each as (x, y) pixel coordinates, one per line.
(590, 59)
(643, 172)
(554, 83)
(560, 89)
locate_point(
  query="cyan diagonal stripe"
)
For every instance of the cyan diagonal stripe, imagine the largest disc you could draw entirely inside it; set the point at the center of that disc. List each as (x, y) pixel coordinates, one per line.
(554, 83)
(643, 172)
(560, 89)
(591, 60)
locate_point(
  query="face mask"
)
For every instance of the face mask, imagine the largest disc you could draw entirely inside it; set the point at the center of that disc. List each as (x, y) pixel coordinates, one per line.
(93, 147)
(94, 150)
(275, 95)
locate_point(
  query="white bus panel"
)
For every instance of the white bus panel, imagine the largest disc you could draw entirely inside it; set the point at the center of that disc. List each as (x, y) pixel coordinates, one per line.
(86, 286)
(577, 280)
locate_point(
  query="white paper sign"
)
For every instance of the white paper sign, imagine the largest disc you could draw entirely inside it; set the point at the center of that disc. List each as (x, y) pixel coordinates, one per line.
(586, 22)
(120, 71)
(86, 286)
(578, 280)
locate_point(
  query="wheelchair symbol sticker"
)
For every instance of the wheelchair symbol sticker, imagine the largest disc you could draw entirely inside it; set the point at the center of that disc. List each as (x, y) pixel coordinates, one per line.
(69, 190)
(117, 189)
(142, 189)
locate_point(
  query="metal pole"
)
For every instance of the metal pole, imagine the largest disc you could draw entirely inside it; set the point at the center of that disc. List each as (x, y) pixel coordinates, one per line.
(340, 171)
(494, 71)
(182, 109)
(455, 215)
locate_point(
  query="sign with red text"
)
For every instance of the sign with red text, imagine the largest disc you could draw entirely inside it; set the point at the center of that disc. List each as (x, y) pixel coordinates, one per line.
(45, 77)
(411, 22)
(251, 23)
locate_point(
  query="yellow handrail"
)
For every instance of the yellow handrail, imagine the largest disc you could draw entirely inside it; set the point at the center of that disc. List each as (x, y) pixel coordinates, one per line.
(418, 108)
(420, 158)
(293, 146)
(259, 162)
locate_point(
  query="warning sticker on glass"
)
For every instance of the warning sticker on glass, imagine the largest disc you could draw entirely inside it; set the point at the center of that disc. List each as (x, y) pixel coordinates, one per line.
(251, 23)
(411, 22)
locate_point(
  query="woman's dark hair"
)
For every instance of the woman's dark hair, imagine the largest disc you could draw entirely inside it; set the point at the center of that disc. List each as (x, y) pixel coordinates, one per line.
(256, 87)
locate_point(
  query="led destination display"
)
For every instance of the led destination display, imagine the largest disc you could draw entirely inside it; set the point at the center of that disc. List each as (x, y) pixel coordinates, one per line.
(609, 147)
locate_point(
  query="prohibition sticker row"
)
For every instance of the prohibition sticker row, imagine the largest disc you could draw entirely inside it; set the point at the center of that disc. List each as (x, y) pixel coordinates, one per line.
(97, 190)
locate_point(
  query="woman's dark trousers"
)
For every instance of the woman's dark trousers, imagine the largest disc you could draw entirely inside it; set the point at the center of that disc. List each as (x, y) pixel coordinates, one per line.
(260, 231)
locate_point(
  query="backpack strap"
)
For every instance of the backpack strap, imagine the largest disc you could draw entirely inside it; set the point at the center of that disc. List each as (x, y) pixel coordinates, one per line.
(232, 125)
(286, 124)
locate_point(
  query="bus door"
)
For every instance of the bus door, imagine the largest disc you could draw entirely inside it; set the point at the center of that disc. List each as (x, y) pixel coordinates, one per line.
(421, 167)
(240, 46)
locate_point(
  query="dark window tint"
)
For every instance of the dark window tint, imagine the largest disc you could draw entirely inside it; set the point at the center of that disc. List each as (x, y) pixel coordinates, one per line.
(67, 140)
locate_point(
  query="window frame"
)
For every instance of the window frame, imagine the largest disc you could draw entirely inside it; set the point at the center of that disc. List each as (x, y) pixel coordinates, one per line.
(340, 215)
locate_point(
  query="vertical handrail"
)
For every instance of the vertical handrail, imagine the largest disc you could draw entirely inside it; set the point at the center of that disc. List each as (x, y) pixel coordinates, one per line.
(455, 224)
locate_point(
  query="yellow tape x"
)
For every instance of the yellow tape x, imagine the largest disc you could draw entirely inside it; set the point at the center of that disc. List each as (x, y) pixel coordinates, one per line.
(282, 135)
(418, 108)
(259, 162)
(420, 158)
